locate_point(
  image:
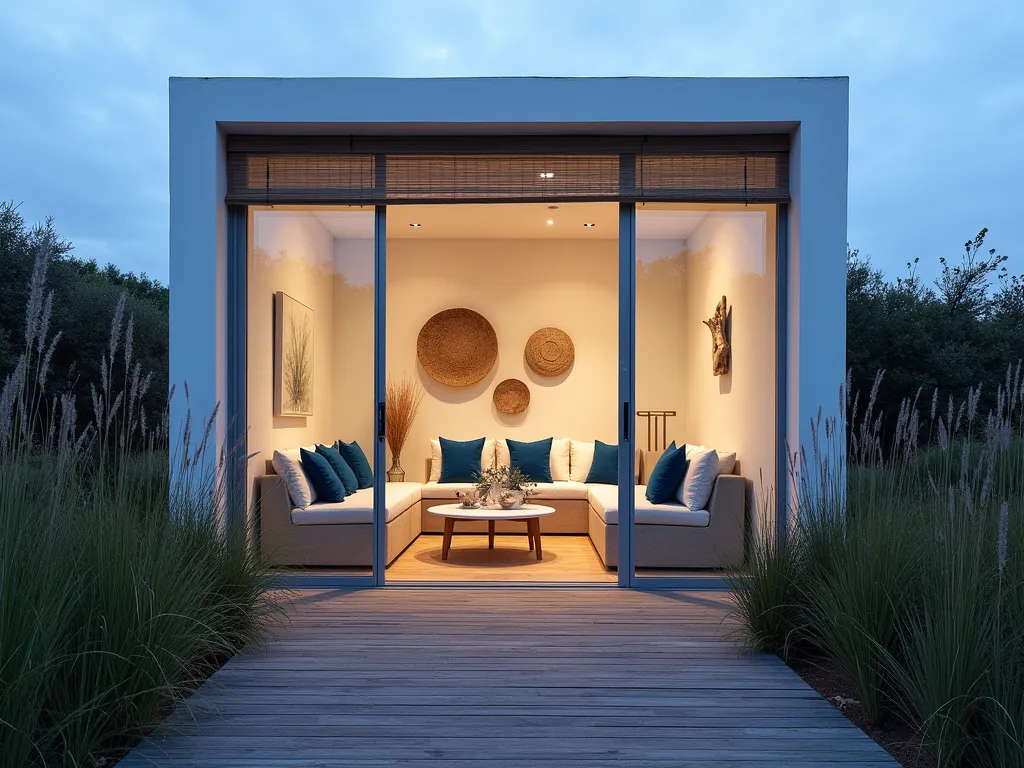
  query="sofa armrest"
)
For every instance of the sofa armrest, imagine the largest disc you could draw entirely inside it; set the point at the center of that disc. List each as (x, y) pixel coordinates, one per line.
(275, 509)
(727, 528)
(728, 497)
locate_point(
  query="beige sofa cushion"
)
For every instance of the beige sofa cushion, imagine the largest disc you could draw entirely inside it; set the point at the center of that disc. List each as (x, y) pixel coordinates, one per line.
(726, 459)
(605, 501)
(358, 508)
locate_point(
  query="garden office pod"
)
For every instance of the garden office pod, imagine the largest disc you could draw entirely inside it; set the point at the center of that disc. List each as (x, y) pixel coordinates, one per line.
(518, 330)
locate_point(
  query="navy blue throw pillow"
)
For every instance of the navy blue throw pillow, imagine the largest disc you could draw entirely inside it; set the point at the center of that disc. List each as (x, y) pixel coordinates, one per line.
(605, 468)
(340, 467)
(355, 458)
(460, 460)
(326, 482)
(532, 459)
(668, 475)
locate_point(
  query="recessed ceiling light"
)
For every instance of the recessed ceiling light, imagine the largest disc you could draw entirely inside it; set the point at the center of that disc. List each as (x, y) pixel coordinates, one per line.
(590, 224)
(550, 222)
(547, 174)
(415, 224)
(552, 207)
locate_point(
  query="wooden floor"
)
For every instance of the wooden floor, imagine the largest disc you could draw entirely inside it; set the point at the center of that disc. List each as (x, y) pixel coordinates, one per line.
(538, 677)
(566, 559)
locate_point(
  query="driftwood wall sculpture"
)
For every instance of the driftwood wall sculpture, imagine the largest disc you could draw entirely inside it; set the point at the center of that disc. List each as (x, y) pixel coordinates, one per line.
(720, 346)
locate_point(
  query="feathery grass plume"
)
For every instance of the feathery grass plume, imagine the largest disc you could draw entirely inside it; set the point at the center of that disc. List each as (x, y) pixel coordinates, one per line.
(911, 583)
(123, 588)
(402, 403)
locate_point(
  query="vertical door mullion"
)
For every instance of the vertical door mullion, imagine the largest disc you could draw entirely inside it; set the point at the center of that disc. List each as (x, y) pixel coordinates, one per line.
(237, 411)
(379, 329)
(782, 495)
(627, 388)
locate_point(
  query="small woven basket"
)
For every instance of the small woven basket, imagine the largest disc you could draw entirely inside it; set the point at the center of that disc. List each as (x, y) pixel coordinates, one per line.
(511, 397)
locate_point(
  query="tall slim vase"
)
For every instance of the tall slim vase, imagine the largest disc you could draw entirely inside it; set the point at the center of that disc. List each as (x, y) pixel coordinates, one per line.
(396, 474)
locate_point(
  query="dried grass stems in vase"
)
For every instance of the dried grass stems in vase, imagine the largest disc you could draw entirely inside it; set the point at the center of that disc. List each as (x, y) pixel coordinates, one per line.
(402, 402)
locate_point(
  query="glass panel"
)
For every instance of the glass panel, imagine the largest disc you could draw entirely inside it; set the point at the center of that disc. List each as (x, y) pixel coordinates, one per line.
(517, 268)
(705, 379)
(310, 361)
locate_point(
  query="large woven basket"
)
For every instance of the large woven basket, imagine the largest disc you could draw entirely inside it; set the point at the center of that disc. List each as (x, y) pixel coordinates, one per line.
(457, 347)
(550, 352)
(511, 396)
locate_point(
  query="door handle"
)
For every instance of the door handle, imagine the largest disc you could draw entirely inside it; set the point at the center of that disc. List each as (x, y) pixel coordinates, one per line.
(625, 421)
(380, 422)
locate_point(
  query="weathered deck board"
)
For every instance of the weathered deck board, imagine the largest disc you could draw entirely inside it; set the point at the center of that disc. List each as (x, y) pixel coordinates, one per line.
(542, 678)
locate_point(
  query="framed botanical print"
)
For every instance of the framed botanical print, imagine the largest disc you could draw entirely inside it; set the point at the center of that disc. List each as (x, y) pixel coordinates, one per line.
(293, 357)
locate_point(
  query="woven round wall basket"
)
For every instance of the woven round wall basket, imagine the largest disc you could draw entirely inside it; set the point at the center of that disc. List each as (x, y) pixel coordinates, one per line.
(457, 347)
(549, 352)
(511, 396)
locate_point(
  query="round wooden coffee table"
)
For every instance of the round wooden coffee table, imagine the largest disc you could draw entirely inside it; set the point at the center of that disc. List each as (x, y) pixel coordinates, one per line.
(528, 513)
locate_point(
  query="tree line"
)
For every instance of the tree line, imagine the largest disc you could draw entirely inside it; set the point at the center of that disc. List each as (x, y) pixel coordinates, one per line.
(962, 329)
(85, 297)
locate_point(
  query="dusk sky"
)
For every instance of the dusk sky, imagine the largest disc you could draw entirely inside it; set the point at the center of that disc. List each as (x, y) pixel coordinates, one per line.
(936, 91)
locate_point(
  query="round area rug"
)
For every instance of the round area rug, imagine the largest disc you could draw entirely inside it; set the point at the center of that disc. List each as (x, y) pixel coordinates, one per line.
(511, 396)
(457, 347)
(549, 352)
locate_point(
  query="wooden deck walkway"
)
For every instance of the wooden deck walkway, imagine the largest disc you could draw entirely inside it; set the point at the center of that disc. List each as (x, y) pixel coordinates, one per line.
(545, 678)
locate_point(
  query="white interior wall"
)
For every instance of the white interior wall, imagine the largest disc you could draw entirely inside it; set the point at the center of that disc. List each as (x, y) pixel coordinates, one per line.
(519, 286)
(355, 409)
(663, 345)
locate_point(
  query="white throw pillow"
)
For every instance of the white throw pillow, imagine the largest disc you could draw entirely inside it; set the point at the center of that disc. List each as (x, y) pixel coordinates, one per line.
(435, 461)
(288, 464)
(700, 479)
(581, 457)
(726, 460)
(558, 458)
(486, 458)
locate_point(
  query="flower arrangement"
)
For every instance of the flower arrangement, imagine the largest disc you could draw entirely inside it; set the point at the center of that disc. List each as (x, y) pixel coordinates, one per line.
(508, 487)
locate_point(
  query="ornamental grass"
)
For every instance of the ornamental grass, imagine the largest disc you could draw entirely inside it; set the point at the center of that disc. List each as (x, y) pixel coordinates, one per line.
(121, 588)
(905, 567)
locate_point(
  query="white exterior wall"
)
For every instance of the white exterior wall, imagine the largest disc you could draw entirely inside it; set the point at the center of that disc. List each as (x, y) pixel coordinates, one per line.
(815, 111)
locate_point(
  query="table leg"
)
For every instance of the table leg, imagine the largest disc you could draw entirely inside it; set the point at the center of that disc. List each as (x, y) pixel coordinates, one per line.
(490, 534)
(535, 526)
(529, 532)
(446, 542)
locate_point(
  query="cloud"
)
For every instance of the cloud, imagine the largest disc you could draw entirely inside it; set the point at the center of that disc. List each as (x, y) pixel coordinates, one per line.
(937, 93)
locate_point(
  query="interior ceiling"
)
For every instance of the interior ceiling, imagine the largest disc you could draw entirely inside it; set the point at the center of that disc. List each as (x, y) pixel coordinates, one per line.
(509, 221)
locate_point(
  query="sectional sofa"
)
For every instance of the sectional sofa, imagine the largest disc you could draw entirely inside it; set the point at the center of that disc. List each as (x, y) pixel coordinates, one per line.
(666, 535)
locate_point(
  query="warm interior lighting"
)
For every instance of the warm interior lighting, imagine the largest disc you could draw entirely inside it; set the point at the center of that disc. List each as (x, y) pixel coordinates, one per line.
(550, 222)
(590, 224)
(547, 174)
(415, 224)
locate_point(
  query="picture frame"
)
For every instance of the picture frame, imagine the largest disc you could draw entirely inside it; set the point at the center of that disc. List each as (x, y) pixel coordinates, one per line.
(294, 326)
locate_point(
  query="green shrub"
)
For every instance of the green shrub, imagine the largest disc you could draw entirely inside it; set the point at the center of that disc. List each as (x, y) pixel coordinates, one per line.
(120, 587)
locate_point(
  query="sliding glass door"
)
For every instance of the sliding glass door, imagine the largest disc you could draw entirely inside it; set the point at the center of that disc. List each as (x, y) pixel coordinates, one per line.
(313, 390)
(702, 386)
